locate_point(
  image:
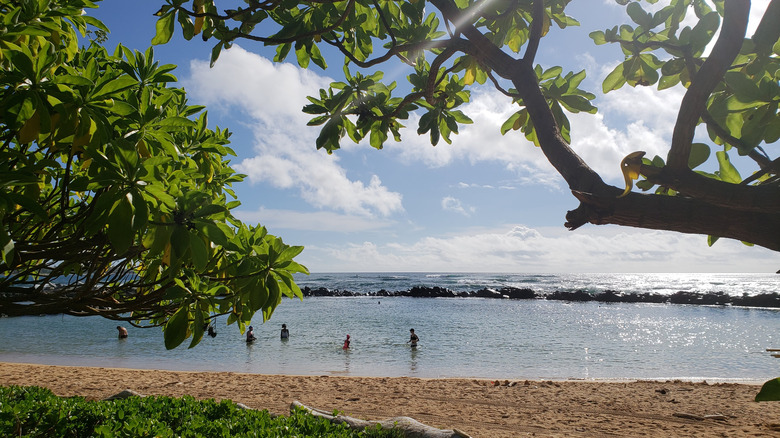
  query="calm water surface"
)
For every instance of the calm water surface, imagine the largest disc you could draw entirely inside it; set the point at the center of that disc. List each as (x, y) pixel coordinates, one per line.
(459, 337)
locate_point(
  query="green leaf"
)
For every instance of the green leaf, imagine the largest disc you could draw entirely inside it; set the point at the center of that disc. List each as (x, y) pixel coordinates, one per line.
(165, 27)
(460, 117)
(175, 330)
(668, 82)
(700, 153)
(197, 327)
(177, 122)
(639, 16)
(614, 80)
(6, 246)
(644, 185)
(28, 203)
(200, 253)
(744, 88)
(598, 37)
(258, 295)
(703, 32)
(215, 51)
(727, 171)
(104, 89)
(514, 122)
(208, 210)
(303, 56)
(120, 225)
(289, 253)
(213, 232)
(770, 391)
(180, 241)
(575, 104)
(274, 298)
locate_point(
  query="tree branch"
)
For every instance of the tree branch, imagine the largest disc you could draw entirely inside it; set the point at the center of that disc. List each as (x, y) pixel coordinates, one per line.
(676, 213)
(768, 31)
(537, 25)
(761, 198)
(709, 75)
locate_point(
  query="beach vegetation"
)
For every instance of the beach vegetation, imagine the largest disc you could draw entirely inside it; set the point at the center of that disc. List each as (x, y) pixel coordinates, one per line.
(116, 195)
(450, 47)
(27, 411)
(770, 391)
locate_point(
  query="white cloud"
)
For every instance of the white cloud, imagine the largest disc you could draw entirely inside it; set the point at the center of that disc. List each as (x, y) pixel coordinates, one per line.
(480, 142)
(522, 249)
(273, 95)
(630, 119)
(464, 185)
(323, 221)
(453, 204)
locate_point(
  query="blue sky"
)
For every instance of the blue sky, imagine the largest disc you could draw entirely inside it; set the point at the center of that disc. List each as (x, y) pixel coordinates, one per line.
(485, 203)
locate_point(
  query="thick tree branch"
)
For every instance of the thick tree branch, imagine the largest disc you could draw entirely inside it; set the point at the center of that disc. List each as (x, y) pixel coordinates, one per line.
(576, 173)
(709, 75)
(676, 213)
(484, 49)
(768, 31)
(760, 198)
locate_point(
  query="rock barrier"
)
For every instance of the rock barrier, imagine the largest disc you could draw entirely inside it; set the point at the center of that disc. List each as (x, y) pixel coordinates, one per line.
(771, 300)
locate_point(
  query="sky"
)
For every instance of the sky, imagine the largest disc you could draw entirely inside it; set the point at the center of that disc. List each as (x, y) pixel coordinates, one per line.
(485, 203)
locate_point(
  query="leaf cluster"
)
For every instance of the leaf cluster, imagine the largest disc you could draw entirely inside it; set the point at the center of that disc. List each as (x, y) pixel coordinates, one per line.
(115, 195)
(741, 112)
(368, 33)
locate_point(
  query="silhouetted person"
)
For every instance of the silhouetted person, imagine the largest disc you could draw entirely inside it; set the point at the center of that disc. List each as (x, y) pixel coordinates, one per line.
(413, 339)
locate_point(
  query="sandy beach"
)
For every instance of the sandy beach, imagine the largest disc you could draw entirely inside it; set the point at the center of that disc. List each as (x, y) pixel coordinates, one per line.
(480, 408)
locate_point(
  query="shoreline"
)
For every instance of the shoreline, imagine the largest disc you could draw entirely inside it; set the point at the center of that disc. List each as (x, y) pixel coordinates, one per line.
(478, 407)
(694, 379)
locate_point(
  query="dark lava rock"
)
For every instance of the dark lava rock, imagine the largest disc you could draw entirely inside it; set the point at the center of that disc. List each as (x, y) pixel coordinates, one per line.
(579, 295)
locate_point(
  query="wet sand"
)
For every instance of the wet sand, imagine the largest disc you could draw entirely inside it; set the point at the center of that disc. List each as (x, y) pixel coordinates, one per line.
(481, 408)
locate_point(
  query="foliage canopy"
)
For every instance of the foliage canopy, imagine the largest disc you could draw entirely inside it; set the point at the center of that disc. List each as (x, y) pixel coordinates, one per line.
(452, 45)
(115, 196)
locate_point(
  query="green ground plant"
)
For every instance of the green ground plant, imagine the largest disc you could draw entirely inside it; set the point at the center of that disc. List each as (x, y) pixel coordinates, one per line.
(37, 412)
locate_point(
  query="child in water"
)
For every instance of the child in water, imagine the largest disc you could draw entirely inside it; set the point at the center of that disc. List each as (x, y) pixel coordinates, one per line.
(346, 343)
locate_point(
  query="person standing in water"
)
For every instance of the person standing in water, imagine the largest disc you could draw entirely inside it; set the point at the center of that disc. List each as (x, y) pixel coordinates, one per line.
(346, 344)
(285, 333)
(250, 335)
(413, 339)
(122, 332)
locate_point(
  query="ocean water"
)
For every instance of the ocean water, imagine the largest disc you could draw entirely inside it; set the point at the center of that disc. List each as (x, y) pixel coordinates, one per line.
(459, 337)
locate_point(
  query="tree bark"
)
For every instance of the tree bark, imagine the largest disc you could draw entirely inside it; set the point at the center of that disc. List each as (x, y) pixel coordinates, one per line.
(677, 213)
